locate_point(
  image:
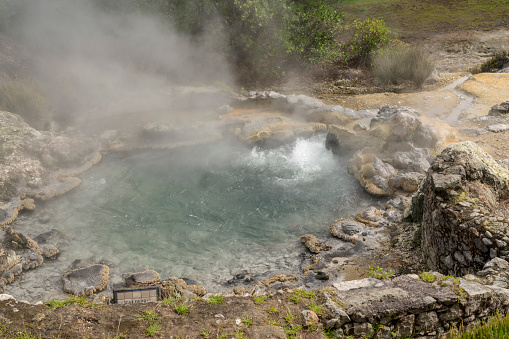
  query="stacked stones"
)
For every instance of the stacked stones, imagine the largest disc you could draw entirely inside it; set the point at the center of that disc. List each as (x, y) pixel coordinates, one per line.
(462, 201)
(425, 306)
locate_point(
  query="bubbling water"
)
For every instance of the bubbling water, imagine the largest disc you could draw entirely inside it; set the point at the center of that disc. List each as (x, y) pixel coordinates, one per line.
(204, 213)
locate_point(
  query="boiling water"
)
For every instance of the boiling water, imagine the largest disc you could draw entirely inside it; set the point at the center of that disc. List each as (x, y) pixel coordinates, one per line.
(204, 213)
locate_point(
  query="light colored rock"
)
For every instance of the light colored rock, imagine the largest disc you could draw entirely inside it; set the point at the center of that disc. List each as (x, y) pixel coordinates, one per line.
(86, 280)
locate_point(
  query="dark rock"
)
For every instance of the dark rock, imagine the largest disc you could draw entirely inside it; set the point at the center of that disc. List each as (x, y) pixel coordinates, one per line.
(146, 277)
(500, 109)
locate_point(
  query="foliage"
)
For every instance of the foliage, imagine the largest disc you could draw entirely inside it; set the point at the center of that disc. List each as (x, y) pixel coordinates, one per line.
(495, 63)
(368, 36)
(314, 31)
(153, 327)
(300, 293)
(54, 303)
(496, 327)
(260, 299)
(397, 62)
(216, 299)
(24, 97)
(247, 321)
(182, 308)
(272, 310)
(318, 309)
(428, 277)
(379, 273)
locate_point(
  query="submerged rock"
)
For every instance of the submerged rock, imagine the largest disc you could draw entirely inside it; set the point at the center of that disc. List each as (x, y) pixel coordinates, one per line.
(313, 244)
(86, 280)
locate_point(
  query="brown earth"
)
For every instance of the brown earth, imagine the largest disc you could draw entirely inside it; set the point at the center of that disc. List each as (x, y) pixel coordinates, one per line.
(240, 316)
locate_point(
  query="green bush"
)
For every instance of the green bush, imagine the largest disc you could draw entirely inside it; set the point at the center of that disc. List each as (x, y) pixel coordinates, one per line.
(396, 63)
(494, 64)
(367, 37)
(24, 97)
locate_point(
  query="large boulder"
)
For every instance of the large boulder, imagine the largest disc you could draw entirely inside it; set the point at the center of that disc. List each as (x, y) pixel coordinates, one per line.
(373, 174)
(463, 202)
(395, 124)
(500, 109)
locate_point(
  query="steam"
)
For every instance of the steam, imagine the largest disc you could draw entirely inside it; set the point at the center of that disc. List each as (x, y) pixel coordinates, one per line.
(90, 58)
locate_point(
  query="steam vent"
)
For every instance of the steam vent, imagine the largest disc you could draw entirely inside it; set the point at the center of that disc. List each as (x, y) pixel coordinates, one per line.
(464, 210)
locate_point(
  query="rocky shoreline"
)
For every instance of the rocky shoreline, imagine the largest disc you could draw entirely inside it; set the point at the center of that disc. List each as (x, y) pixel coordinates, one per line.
(462, 186)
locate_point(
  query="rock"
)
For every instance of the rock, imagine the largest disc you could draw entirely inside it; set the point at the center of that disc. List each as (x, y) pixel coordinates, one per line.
(51, 252)
(498, 128)
(373, 174)
(463, 181)
(399, 124)
(371, 216)
(145, 277)
(264, 332)
(406, 182)
(86, 280)
(312, 243)
(4, 297)
(346, 229)
(341, 140)
(360, 127)
(310, 318)
(473, 131)
(500, 109)
(415, 160)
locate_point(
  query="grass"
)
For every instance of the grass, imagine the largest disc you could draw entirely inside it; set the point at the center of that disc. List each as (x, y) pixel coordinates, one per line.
(379, 273)
(153, 327)
(428, 277)
(300, 293)
(247, 321)
(260, 299)
(182, 308)
(409, 17)
(54, 303)
(216, 299)
(497, 327)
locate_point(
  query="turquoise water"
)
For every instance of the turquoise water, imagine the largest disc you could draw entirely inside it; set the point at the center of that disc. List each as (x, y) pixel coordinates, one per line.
(204, 213)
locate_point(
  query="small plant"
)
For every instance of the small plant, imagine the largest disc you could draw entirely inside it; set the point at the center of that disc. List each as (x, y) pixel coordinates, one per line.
(273, 322)
(216, 299)
(152, 329)
(289, 318)
(150, 316)
(300, 293)
(428, 277)
(260, 299)
(204, 334)
(272, 310)
(379, 273)
(247, 321)
(318, 309)
(54, 303)
(292, 331)
(496, 327)
(239, 335)
(169, 301)
(182, 308)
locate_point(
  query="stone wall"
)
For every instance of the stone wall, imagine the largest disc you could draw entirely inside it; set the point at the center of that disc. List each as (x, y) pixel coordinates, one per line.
(463, 202)
(425, 306)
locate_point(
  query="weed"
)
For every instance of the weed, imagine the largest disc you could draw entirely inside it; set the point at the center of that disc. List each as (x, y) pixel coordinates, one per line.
(292, 331)
(496, 327)
(239, 335)
(379, 273)
(318, 309)
(247, 321)
(204, 334)
(428, 277)
(273, 322)
(182, 308)
(152, 329)
(272, 310)
(54, 303)
(289, 318)
(216, 299)
(260, 299)
(169, 301)
(149, 316)
(495, 63)
(300, 293)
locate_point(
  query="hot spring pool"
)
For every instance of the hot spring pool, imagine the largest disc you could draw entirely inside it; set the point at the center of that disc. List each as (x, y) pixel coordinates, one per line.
(204, 213)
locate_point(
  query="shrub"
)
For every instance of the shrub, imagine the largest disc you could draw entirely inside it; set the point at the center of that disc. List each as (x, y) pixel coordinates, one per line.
(368, 36)
(396, 63)
(495, 63)
(23, 97)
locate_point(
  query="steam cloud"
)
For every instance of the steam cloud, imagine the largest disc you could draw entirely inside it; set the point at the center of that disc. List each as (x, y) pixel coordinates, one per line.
(87, 57)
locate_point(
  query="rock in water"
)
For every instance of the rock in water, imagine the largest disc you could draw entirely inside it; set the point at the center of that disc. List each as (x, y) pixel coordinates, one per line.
(145, 277)
(86, 280)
